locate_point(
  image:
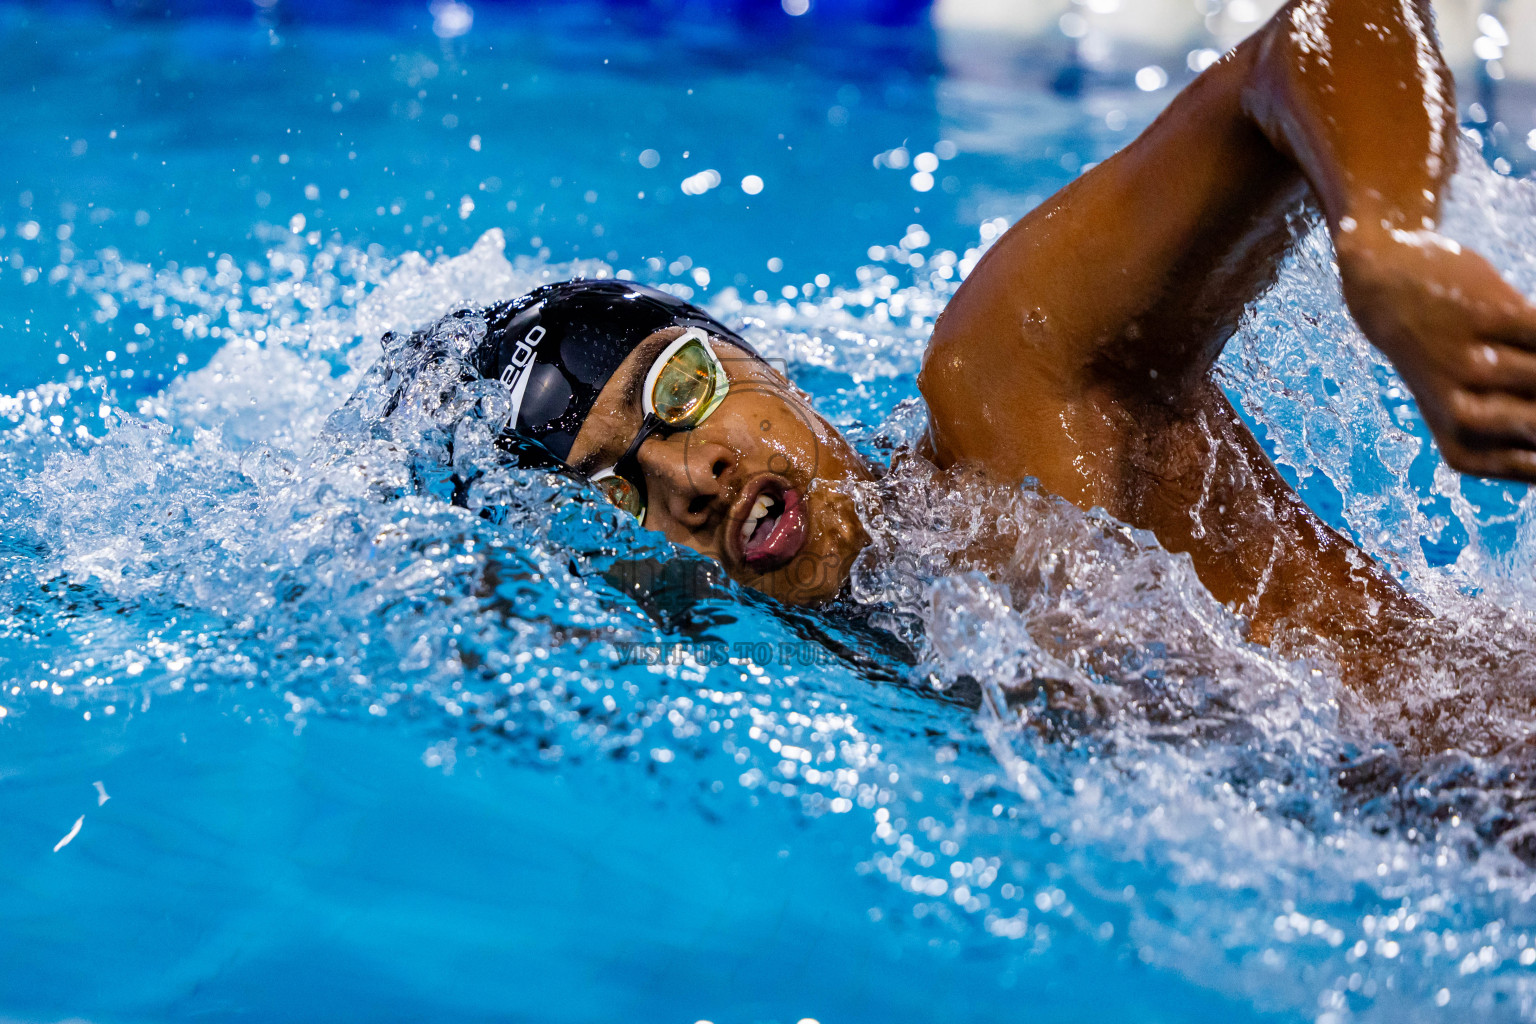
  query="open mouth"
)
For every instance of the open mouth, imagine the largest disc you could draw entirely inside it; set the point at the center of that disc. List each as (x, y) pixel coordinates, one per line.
(773, 530)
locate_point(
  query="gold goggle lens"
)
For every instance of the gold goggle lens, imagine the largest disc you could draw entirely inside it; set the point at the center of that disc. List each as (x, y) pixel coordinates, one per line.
(623, 494)
(686, 385)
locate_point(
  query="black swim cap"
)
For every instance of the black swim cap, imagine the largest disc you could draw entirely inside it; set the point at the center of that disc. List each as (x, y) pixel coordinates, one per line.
(557, 346)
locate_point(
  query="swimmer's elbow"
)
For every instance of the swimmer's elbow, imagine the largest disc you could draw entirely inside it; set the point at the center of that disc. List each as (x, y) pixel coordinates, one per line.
(941, 382)
(935, 444)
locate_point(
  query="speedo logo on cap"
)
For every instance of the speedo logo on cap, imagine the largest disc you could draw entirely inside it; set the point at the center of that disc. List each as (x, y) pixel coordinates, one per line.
(519, 368)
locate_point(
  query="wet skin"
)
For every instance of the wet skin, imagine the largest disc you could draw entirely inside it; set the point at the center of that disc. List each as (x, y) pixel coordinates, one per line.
(1079, 351)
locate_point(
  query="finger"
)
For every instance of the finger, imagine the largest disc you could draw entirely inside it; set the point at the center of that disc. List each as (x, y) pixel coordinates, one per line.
(1506, 464)
(1517, 464)
(1512, 323)
(1484, 422)
(1499, 367)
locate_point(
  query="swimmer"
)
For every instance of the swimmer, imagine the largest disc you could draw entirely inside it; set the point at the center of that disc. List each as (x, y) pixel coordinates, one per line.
(1079, 351)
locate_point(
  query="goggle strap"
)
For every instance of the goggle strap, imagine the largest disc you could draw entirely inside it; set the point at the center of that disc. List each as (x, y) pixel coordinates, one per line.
(628, 465)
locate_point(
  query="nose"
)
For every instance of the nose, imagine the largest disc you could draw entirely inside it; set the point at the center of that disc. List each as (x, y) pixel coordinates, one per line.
(691, 475)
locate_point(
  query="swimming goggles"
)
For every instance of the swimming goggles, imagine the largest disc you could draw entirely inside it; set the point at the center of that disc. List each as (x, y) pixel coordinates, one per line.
(686, 383)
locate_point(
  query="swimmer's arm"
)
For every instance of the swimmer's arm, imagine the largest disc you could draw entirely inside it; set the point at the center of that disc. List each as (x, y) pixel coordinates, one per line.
(1115, 296)
(1379, 156)
(1117, 291)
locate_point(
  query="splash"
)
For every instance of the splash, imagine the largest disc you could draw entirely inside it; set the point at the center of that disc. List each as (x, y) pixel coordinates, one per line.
(1080, 751)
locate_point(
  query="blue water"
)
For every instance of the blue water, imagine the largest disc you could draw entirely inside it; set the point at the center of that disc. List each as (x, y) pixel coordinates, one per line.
(274, 749)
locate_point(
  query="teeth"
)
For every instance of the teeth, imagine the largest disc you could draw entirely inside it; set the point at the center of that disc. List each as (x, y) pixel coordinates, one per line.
(759, 509)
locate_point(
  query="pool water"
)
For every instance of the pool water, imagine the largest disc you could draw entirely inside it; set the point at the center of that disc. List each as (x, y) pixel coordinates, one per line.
(273, 748)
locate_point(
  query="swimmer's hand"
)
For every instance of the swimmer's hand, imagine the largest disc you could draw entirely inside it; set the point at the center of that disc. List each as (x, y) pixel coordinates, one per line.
(1463, 340)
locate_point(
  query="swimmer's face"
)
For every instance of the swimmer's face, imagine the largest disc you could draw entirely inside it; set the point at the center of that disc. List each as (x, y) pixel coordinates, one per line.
(758, 484)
